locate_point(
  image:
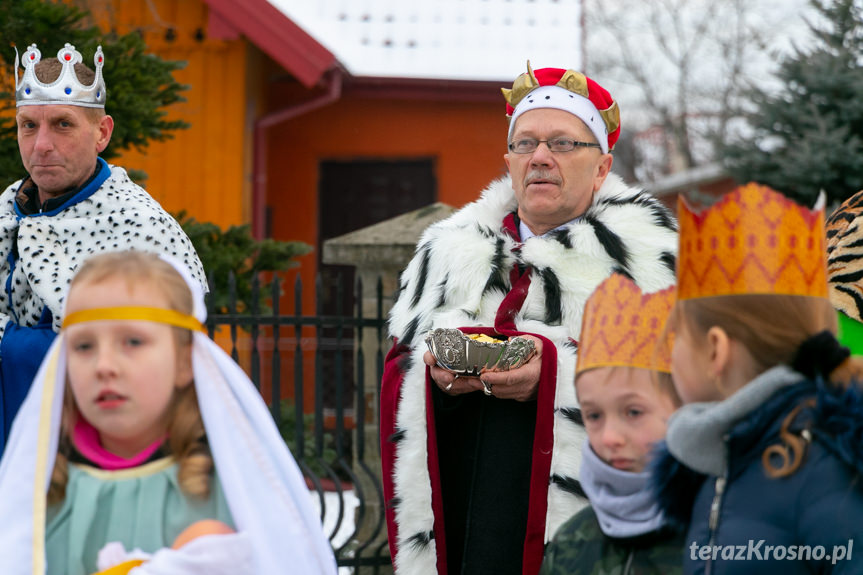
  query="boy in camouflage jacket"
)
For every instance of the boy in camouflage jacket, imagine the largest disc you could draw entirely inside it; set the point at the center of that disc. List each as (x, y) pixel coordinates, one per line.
(626, 396)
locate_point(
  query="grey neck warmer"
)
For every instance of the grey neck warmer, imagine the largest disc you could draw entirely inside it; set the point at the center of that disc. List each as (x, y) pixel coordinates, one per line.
(623, 505)
(696, 432)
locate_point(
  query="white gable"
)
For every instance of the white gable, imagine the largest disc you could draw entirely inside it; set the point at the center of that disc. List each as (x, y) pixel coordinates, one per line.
(443, 39)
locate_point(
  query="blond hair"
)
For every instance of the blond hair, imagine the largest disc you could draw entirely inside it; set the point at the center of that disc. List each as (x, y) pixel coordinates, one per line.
(772, 328)
(661, 380)
(186, 436)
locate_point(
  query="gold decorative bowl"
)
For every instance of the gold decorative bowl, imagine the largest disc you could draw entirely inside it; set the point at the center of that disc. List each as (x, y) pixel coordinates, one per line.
(460, 353)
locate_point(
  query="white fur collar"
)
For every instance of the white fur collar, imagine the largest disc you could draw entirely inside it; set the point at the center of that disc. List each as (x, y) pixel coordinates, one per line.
(460, 253)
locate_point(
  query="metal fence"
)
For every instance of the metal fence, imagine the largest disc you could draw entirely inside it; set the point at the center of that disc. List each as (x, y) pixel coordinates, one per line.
(314, 372)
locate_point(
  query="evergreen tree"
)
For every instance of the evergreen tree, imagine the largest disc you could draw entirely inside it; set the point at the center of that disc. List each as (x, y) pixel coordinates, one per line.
(809, 137)
(235, 252)
(140, 85)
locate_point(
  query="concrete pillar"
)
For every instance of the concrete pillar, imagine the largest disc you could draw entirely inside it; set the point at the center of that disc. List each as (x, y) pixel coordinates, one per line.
(380, 251)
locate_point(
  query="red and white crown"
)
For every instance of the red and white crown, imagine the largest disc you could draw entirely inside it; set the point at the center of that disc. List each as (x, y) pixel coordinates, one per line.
(569, 91)
(66, 89)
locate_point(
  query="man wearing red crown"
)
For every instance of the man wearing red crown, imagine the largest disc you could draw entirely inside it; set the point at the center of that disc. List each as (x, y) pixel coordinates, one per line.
(479, 472)
(70, 205)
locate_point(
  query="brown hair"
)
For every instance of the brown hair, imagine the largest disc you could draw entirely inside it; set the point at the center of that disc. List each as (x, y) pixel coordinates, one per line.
(661, 380)
(186, 435)
(771, 327)
(48, 70)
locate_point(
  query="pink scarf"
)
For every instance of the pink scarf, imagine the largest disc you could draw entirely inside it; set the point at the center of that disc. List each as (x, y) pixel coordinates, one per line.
(85, 437)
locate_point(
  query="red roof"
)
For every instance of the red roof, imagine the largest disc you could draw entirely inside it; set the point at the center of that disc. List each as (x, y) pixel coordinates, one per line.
(275, 34)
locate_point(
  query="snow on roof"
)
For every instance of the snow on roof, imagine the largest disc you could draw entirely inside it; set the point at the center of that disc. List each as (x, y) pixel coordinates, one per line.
(443, 39)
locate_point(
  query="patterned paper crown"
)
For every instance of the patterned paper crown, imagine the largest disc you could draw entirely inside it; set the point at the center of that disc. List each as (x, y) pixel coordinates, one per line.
(621, 327)
(66, 89)
(753, 241)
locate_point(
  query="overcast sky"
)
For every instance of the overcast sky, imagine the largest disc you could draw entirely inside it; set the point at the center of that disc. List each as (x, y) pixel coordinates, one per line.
(781, 22)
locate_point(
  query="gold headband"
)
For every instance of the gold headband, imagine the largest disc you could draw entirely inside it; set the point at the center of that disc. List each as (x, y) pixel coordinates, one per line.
(154, 314)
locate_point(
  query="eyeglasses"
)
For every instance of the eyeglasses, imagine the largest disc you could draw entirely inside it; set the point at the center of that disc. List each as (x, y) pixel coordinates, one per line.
(529, 145)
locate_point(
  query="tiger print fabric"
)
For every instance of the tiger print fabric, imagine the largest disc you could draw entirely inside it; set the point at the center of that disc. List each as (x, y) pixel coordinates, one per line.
(845, 257)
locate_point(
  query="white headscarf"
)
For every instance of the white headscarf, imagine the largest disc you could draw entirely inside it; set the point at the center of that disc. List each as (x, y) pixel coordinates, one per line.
(265, 490)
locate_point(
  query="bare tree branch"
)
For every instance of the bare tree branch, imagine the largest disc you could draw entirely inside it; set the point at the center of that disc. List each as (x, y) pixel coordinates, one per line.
(684, 64)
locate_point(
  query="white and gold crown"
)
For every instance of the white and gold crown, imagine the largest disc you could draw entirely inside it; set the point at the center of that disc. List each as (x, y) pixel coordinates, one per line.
(66, 89)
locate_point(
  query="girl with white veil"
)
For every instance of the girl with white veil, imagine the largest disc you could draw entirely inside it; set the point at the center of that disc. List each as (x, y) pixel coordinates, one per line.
(143, 448)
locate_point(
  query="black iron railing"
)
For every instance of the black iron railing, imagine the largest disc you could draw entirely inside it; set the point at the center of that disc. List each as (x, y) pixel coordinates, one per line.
(312, 371)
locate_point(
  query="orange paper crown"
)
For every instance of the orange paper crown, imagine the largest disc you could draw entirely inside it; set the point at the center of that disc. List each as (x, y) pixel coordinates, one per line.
(621, 327)
(753, 241)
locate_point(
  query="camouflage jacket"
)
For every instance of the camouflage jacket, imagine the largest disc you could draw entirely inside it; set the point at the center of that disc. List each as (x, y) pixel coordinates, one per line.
(580, 548)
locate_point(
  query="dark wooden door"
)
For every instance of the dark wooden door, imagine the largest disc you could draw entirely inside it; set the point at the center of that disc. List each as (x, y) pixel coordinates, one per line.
(355, 194)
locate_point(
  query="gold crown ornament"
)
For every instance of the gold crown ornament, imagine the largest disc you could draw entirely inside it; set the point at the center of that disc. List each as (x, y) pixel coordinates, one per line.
(621, 327)
(66, 89)
(753, 241)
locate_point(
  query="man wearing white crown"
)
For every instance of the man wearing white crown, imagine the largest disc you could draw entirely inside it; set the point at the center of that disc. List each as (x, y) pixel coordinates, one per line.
(479, 472)
(70, 205)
